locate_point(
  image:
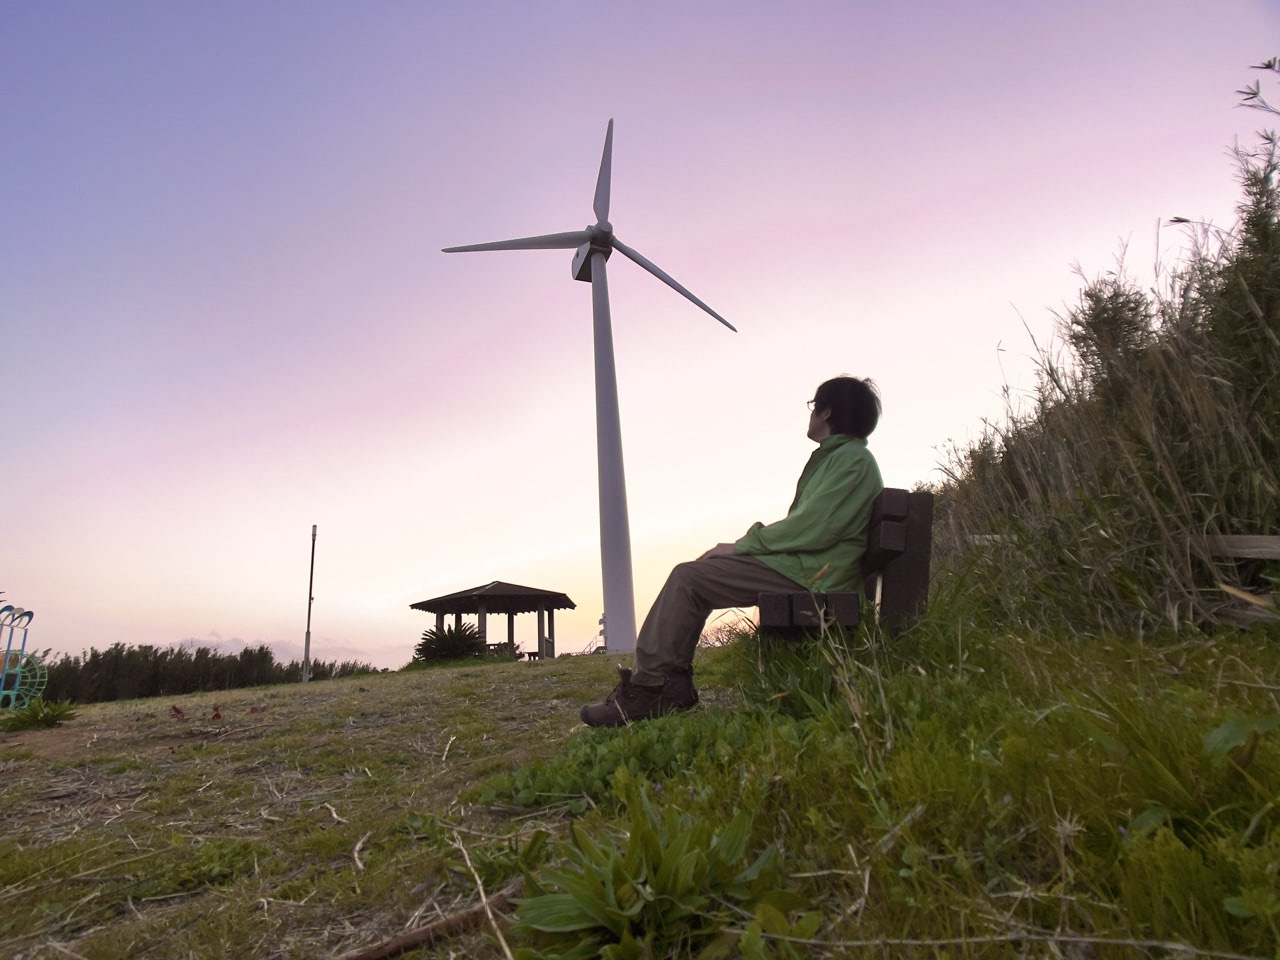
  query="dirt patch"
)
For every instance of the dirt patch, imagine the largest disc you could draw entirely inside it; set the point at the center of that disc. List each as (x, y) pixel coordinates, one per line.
(101, 731)
(59, 743)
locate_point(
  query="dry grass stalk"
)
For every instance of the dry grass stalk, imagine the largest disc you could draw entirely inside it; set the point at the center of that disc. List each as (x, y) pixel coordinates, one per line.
(484, 901)
(455, 923)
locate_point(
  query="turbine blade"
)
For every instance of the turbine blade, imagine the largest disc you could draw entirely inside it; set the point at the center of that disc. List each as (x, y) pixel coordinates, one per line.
(601, 205)
(547, 241)
(667, 279)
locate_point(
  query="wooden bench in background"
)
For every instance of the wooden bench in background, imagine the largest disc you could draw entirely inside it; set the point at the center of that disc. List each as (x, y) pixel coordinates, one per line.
(895, 573)
(1243, 548)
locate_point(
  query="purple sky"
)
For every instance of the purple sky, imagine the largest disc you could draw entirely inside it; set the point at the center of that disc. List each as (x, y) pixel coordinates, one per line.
(225, 316)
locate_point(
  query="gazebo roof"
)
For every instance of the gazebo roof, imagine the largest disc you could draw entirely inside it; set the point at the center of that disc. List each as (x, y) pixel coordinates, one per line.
(497, 597)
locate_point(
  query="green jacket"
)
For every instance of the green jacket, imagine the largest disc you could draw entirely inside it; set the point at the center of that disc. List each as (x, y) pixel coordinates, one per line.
(824, 534)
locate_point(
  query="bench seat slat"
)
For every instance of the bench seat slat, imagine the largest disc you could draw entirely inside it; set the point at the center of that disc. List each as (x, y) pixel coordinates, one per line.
(809, 610)
(1244, 546)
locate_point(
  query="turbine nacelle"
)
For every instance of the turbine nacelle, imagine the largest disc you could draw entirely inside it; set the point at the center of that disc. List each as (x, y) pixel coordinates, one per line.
(601, 242)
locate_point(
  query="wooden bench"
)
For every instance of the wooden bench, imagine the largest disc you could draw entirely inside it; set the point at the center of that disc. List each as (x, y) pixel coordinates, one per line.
(895, 574)
(1242, 548)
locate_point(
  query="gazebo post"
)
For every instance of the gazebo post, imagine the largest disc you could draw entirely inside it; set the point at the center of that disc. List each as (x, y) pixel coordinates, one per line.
(457, 621)
(440, 622)
(542, 633)
(550, 652)
(480, 612)
(511, 632)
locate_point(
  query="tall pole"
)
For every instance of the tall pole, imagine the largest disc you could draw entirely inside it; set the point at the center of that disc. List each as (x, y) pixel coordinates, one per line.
(311, 581)
(615, 534)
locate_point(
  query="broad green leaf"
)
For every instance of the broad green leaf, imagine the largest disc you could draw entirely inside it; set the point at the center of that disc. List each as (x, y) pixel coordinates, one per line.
(807, 925)
(1148, 820)
(732, 842)
(534, 851)
(1235, 732)
(762, 863)
(718, 949)
(590, 896)
(627, 948)
(688, 869)
(784, 900)
(554, 913)
(772, 920)
(1237, 907)
(752, 944)
(1105, 740)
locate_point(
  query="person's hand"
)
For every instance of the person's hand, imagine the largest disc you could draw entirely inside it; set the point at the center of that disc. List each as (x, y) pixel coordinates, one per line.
(719, 550)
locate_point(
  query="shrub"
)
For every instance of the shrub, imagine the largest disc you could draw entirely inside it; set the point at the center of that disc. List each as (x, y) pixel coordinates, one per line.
(669, 882)
(456, 642)
(123, 672)
(39, 712)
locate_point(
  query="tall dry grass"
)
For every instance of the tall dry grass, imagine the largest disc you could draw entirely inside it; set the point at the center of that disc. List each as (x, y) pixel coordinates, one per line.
(1153, 428)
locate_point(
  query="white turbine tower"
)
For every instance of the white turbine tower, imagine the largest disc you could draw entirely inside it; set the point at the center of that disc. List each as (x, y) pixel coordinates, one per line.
(594, 244)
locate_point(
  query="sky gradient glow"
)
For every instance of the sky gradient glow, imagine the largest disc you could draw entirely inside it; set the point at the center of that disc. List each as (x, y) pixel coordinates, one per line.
(225, 316)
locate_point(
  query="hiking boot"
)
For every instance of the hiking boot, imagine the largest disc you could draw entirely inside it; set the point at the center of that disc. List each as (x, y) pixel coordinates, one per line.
(630, 701)
(678, 692)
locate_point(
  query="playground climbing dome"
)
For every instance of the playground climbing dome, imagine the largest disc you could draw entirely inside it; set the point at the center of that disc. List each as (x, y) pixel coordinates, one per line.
(22, 675)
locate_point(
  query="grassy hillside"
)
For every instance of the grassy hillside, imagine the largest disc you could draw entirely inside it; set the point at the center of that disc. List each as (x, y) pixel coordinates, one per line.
(958, 792)
(304, 820)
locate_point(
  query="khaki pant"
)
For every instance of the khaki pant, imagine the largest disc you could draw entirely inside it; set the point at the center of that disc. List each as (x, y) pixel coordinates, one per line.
(671, 630)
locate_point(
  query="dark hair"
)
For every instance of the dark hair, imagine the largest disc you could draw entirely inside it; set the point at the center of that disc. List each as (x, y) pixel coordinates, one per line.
(854, 405)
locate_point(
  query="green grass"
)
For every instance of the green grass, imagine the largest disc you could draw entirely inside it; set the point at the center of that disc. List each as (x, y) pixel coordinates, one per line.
(967, 790)
(243, 834)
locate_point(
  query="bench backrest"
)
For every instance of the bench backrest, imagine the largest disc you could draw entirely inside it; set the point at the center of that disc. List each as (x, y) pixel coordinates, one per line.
(895, 568)
(895, 573)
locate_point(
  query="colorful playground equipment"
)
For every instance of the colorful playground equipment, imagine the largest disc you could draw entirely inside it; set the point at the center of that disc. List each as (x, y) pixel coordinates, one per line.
(22, 675)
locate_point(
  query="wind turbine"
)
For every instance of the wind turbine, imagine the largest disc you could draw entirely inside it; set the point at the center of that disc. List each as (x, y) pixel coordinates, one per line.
(593, 245)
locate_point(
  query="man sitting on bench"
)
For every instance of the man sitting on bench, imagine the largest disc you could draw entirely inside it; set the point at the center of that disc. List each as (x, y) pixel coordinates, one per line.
(817, 546)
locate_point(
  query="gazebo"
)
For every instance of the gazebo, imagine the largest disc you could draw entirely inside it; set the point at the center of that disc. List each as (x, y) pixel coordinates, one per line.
(508, 598)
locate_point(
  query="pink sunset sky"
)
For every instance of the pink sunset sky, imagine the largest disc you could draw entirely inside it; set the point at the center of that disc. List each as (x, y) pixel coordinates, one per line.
(225, 315)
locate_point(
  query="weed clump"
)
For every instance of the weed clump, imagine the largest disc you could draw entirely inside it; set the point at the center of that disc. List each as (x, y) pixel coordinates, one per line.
(37, 713)
(668, 881)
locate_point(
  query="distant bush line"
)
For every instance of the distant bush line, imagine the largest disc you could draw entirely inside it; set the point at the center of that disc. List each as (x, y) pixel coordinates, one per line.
(124, 672)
